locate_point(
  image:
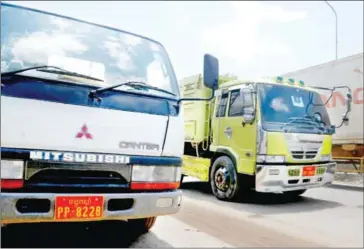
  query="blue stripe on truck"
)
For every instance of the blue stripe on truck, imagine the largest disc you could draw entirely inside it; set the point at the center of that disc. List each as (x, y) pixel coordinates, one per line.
(75, 94)
(24, 154)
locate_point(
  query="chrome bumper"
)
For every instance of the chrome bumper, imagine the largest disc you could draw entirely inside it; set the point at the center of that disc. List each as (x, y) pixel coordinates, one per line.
(144, 205)
(275, 179)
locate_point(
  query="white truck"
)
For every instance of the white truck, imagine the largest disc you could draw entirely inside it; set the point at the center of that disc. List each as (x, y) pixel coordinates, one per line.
(91, 127)
(348, 142)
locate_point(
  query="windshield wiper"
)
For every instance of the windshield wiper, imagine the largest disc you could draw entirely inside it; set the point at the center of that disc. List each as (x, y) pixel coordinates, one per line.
(50, 69)
(133, 84)
(306, 122)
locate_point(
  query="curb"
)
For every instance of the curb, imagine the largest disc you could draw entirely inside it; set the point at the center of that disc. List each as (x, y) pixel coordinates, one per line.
(342, 185)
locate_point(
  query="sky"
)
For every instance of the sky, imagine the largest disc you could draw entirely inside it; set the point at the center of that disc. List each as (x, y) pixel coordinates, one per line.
(251, 39)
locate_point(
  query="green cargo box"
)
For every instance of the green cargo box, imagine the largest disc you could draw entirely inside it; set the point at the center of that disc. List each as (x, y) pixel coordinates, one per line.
(196, 113)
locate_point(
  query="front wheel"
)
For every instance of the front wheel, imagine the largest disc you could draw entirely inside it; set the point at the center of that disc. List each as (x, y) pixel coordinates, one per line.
(142, 226)
(224, 179)
(181, 181)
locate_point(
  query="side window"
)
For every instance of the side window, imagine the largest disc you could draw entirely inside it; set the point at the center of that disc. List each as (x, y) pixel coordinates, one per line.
(222, 105)
(236, 107)
(217, 102)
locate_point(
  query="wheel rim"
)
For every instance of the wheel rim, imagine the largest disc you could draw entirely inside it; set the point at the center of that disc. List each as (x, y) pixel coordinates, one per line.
(224, 180)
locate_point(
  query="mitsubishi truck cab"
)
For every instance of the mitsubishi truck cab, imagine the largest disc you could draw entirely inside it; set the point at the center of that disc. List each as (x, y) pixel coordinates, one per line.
(91, 127)
(271, 135)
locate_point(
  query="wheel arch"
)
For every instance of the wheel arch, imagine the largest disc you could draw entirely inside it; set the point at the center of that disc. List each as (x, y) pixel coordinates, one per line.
(222, 152)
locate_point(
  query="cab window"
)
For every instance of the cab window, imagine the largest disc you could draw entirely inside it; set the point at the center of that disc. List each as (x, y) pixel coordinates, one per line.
(221, 109)
(236, 107)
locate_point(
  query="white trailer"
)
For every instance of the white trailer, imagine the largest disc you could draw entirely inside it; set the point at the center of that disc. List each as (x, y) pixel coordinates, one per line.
(348, 140)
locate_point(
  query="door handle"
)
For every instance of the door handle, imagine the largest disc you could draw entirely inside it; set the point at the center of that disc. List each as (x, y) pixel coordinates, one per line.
(228, 131)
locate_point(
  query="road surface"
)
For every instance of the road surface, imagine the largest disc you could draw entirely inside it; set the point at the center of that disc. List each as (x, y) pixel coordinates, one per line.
(324, 217)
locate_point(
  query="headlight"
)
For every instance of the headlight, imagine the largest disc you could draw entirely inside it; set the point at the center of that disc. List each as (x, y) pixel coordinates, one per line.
(270, 159)
(155, 177)
(156, 174)
(12, 169)
(326, 158)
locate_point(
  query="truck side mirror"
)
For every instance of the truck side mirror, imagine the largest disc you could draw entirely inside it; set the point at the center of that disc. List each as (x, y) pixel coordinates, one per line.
(249, 115)
(210, 77)
(247, 97)
(211, 71)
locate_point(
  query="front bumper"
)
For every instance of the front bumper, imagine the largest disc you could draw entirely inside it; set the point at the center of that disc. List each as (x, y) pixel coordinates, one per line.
(144, 205)
(275, 179)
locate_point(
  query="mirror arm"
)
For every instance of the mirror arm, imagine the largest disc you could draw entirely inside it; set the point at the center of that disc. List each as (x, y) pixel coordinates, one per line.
(197, 99)
(344, 119)
(330, 89)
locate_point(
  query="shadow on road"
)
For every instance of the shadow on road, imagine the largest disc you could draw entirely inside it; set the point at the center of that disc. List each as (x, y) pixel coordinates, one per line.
(110, 234)
(261, 203)
(347, 187)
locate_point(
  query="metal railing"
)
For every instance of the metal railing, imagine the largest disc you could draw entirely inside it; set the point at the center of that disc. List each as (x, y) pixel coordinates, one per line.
(350, 164)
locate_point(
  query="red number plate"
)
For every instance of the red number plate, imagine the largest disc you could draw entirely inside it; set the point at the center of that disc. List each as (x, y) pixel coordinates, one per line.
(79, 207)
(309, 171)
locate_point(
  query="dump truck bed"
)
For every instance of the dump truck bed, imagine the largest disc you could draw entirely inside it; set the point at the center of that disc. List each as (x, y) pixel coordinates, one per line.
(196, 113)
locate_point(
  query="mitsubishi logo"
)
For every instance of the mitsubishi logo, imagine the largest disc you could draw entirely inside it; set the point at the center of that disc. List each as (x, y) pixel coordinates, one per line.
(84, 132)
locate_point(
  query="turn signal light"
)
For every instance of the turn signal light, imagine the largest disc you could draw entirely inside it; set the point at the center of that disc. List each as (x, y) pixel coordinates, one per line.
(11, 184)
(154, 185)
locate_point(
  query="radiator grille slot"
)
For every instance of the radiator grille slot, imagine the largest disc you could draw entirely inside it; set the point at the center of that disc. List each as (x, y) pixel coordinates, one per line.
(301, 154)
(76, 177)
(59, 177)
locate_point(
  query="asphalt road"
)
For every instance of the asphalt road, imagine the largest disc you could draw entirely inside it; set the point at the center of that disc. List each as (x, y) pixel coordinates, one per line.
(325, 217)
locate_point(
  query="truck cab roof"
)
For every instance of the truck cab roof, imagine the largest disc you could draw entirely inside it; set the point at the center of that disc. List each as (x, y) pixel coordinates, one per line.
(234, 83)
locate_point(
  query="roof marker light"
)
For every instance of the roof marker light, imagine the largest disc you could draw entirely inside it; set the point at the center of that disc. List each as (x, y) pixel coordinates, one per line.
(291, 81)
(279, 79)
(301, 83)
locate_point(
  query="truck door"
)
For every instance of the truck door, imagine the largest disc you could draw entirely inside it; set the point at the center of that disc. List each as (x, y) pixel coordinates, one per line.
(238, 137)
(219, 118)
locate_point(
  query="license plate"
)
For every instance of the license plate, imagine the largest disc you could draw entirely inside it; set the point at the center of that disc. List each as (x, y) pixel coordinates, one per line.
(309, 171)
(79, 207)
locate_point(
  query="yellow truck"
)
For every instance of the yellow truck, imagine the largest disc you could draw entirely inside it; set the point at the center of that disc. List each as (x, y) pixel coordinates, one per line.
(273, 135)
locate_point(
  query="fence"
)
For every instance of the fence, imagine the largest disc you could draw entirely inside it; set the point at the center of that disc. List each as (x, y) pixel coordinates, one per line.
(350, 164)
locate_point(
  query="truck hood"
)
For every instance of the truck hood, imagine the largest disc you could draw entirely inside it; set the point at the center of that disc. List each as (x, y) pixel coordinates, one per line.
(42, 125)
(296, 147)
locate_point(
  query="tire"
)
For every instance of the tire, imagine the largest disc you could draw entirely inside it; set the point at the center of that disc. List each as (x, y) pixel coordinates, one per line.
(181, 181)
(141, 226)
(224, 179)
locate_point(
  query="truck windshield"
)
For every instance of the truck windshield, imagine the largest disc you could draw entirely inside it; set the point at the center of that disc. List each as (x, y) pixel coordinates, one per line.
(290, 108)
(32, 38)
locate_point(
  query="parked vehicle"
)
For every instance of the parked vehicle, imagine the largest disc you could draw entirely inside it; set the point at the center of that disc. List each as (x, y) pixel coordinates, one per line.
(90, 122)
(272, 135)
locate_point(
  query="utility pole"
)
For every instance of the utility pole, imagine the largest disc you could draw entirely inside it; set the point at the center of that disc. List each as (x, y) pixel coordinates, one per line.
(332, 8)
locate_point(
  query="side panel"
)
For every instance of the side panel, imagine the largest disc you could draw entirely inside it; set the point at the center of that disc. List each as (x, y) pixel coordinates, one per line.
(196, 113)
(196, 167)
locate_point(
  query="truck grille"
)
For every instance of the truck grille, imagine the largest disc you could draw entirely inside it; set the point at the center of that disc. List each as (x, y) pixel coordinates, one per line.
(76, 178)
(302, 155)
